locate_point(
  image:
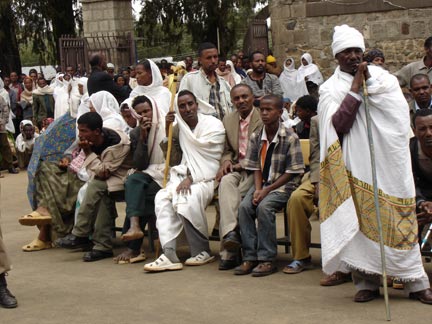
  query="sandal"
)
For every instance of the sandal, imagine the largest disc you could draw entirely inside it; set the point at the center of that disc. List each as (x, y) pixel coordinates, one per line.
(200, 259)
(35, 218)
(162, 264)
(37, 245)
(298, 266)
(139, 258)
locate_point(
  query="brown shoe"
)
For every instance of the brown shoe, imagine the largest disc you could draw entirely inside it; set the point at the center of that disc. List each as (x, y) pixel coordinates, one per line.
(363, 296)
(335, 279)
(264, 269)
(425, 296)
(245, 268)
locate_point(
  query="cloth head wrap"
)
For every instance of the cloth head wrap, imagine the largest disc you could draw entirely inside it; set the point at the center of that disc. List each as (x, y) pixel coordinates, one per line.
(346, 37)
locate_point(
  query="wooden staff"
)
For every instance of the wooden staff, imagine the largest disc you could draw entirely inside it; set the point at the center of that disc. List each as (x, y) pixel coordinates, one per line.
(376, 199)
(173, 89)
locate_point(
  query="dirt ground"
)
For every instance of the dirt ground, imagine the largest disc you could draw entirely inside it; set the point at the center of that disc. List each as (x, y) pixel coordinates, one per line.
(56, 286)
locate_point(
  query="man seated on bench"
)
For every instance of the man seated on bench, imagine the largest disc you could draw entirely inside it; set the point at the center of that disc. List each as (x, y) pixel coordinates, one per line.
(146, 177)
(421, 157)
(198, 143)
(275, 156)
(107, 163)
(234, 180)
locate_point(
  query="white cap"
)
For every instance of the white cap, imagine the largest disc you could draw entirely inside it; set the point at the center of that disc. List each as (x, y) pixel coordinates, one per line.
(346, 37)
(110, 66)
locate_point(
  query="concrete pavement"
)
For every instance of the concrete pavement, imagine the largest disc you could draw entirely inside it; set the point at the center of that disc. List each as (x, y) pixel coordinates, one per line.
(55, 286)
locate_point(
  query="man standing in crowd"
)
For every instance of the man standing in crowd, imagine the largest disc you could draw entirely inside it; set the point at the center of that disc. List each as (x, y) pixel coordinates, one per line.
(205, 84)
(5, 149)
(349, 230)
(262, 83)
(424, 66)
(100, 80)
(234, 180)
(275, 157)
(43, 102)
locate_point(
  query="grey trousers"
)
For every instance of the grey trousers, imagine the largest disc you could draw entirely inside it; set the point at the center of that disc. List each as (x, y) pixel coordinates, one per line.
(363, 281)
(96, 216)
(232, 188)
(5, 265)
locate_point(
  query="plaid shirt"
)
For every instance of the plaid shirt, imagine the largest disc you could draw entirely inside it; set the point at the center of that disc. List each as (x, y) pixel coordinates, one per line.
(287, 157)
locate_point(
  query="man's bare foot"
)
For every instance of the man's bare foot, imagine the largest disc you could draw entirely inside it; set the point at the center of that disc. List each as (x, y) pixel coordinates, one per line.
(132, 234)
(43, 211)
(125, 256)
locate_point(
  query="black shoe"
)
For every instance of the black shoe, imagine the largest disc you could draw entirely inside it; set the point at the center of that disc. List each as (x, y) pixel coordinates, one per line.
(7, 300)
(227, 264)
(13, 170)
(95, 255)
(71, 241)
(231, 242)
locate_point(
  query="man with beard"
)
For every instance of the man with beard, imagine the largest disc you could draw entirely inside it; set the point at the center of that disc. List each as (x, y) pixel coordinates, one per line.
(262, 83)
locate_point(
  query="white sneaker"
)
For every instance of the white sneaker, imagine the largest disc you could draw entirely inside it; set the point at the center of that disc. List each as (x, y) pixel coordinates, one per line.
(200, 259)
(162, 264)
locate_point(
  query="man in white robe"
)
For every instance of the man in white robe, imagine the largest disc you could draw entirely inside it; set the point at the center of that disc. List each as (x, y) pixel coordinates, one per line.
(349, 230)
(199, 139)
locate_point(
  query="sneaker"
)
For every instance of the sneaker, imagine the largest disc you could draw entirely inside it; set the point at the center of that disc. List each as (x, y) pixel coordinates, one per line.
(200, 259)
(335, 279)
(298, 266)
(162, 264)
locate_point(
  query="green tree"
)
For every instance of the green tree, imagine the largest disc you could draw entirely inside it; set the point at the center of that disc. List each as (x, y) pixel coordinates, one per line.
(203, 20)
(36, 23)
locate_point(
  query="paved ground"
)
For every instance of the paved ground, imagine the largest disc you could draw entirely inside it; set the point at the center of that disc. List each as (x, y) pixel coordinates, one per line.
(55, 286)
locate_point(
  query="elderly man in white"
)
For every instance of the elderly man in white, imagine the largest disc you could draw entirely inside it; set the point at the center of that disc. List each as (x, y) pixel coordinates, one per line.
(349, 230)
(198, 143)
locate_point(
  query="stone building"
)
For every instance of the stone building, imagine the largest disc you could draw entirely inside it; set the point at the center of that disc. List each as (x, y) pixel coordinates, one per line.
(397, 27)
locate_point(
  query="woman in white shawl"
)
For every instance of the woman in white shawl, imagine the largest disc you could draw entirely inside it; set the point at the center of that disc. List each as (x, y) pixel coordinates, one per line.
(61, 94)
(150, 83)
(292, 88)
(106, 105)
(146, 179)
(309, 71)
(181, 204)
(231, 68)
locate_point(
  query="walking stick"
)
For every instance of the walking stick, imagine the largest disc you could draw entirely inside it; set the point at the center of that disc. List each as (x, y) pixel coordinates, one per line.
(173, 89)
(376, 200)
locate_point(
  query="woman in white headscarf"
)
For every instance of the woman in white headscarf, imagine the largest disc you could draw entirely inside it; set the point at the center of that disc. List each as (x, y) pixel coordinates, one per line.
(106, 105)
(235, 75)
(62, 91)
(292, 88)
(308, 71)
(150, 83)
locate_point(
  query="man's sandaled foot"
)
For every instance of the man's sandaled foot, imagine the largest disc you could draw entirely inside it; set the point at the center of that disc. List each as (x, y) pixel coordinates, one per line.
(298, 266)
(37, 245)
(126, 256)
(162, 264)
(131, 235)
(200, 259)
(35, 218)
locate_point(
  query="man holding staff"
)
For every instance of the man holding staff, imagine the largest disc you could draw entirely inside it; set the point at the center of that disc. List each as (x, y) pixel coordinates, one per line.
(349, 227)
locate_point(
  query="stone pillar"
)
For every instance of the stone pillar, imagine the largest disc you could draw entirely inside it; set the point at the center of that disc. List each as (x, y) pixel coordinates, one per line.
(107, 24)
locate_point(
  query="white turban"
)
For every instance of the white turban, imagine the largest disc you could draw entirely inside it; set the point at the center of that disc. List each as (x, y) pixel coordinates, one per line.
(346, 37)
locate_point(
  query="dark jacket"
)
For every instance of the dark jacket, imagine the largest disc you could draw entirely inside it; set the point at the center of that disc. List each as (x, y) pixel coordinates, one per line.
(423, 184)
(100, 80)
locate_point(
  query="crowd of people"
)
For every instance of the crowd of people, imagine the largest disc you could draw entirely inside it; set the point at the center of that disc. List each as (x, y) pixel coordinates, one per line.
(168, 140)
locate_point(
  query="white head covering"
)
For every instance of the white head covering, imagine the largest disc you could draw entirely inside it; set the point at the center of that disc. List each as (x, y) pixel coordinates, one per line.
(346, 37)
(83, 82)
(236, 76)
(310, 71)
(107, 107)
(292, 88)
(156, 90)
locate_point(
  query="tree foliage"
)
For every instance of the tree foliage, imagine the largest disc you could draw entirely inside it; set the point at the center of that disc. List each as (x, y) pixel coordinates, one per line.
(38, 24)
(202, 20)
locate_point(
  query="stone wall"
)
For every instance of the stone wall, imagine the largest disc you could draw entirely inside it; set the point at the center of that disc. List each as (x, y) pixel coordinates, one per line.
(399, 29)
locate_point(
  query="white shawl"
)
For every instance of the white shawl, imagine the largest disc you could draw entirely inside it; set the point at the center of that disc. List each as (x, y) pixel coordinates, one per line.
(292, 88)
(310, 71)
(156, 90)
(107, 107)
(348, 223)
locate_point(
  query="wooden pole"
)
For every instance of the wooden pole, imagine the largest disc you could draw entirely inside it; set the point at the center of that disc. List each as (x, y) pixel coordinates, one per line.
(173, 89)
